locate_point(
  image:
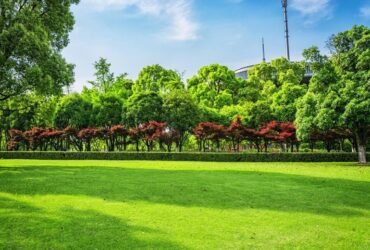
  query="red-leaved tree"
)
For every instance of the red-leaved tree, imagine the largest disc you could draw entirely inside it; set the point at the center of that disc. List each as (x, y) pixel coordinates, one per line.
(87, 135)
(151, 132)
(209, 131)
(236, 132)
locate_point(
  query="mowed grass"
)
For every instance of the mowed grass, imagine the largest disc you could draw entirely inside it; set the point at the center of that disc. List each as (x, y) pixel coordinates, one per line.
(183, 205)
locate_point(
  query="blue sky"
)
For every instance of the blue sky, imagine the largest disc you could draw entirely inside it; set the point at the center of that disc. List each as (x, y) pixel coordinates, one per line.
(185, 35)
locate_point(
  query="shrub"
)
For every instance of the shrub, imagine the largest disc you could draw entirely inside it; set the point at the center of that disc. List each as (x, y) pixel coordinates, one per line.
(217, 157)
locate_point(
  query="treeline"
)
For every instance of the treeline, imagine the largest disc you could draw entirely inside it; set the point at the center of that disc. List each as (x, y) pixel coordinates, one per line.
(331, 109)
(157, 135)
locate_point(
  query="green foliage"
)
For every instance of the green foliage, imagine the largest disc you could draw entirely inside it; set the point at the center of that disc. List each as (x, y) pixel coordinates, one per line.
(257, 114)
(306, 115)
(215, 86)
(104, 77)
(341, 87)
(122, 87)
(284, 101)
(212, 115)
(32, 36)
(181, 113)
(73, 111)
(45, 110)
(157, 79)
(142, 108)
(276, 86)
(108, 112)
(231, 112)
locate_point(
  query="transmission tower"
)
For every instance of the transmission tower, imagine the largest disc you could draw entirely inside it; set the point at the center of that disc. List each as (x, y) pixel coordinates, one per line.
(285, 12)
(263, 50)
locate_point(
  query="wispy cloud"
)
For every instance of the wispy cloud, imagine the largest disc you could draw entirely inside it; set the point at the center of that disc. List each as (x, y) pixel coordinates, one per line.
(234, 1)
(313, 10)
(177, 13)
(365, 11)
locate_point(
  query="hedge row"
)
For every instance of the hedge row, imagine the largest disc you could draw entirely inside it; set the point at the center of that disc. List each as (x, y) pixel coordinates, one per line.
(217, 157)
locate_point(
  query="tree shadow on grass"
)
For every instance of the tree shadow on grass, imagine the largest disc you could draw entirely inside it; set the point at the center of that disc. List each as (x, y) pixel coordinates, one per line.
(27, 227)
(191, 188)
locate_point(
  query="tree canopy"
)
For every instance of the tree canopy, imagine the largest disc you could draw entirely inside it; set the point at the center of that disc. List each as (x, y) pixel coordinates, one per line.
(32, 35)
(155, 78)
(339, 93)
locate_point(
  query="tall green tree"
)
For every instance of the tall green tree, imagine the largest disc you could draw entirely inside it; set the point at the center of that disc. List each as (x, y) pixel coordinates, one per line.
(323, 82)
(142, 108)
(32, 36)
(351, 57)
(181, 114)
(157, 79)
(108, 111)
(73, 111)
(215, 86)
(284, 101)
(340, 90)
(122, 87)
(104, 76)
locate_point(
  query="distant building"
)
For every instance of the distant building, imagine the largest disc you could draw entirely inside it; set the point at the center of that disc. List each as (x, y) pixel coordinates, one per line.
(243, 72)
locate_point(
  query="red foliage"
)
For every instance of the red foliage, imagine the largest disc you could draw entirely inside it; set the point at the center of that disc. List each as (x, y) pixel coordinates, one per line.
(70, 131)
(119, 136)
(151, 132)
(236, 132)
(34, 138)
(331, 138)
(168, 137)
(119, 130)
(88, 134)
(278, 131)
(16, 139)
(209, 131)
(135, 135)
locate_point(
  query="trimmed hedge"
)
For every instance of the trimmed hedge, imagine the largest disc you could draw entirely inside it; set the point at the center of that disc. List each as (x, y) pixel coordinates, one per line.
(216, 157)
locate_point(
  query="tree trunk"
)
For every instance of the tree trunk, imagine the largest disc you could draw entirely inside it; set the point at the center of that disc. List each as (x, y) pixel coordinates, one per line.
(354, 144)
(1, 140)
(124, 144)
(341, 144)
(88, 146)
(361, 145)
(266, 146)
(362, 154)
(312, 145)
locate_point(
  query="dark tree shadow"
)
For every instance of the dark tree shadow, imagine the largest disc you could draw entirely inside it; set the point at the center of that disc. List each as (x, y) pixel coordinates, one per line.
(194, 188)
(26, 227)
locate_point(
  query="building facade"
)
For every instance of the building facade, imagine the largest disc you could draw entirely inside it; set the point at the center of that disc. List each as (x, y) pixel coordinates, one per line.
(243, 72)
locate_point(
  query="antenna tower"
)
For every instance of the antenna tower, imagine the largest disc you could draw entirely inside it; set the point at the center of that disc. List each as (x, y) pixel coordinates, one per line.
(263, 50)
(285, 12)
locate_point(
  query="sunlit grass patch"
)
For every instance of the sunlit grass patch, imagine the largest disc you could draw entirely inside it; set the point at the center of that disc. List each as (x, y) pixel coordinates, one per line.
(183, 205)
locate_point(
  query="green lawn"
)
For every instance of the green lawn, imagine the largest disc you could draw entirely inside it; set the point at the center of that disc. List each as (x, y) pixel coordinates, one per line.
(183, 205)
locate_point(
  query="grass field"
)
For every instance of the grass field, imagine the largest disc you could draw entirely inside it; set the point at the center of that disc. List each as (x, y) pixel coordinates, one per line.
(183, 205)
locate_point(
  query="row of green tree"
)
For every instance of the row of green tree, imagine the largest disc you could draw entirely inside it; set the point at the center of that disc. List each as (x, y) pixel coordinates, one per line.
(34, 76)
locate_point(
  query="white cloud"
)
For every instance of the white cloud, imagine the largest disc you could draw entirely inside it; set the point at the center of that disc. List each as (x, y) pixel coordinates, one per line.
(365, 11)
(235, 1)
(183, 28)
(313, 10)
(309, 7)
(177, 13)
